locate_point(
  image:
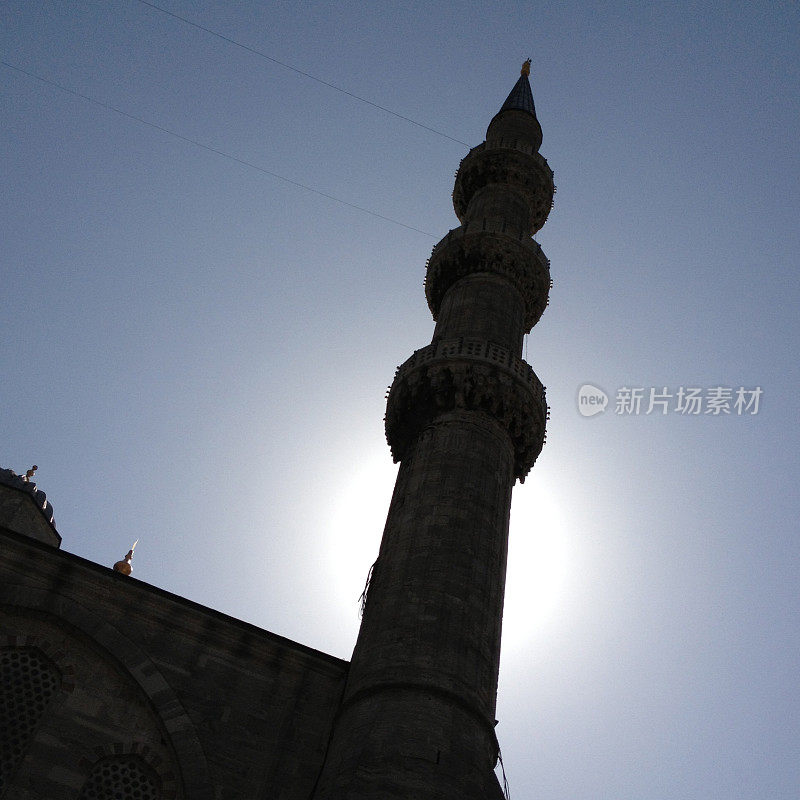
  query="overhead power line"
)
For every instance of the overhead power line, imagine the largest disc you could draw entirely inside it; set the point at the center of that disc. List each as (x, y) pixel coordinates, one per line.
(308, 75)
(211, 149)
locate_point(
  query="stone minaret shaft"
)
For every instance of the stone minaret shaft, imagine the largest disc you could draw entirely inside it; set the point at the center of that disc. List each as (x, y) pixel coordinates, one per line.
(465, 417)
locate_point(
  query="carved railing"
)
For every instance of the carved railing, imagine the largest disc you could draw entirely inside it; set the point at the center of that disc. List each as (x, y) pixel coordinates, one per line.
(488, 246)
(468, 374)
(527, 173)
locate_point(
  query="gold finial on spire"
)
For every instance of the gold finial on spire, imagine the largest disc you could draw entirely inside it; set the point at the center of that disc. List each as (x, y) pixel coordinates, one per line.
(526, 68)
(124, 566)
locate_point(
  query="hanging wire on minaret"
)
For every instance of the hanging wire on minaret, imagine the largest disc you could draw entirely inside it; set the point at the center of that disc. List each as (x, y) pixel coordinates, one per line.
(362, 600)
(506, 788)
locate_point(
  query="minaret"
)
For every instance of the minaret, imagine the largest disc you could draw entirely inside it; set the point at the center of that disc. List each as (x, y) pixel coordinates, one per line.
(465, 418)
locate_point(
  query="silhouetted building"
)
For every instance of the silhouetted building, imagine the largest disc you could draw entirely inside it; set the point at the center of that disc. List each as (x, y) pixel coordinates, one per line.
(111, 687)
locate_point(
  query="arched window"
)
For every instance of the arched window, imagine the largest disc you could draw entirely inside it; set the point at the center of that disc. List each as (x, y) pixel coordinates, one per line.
(121, 778)
(28, 681)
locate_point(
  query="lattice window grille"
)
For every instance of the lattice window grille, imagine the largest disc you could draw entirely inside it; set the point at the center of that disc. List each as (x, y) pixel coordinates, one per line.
(120, 778)
(28, 681)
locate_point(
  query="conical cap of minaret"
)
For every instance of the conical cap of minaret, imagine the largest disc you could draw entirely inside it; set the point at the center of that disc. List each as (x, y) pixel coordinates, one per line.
(516, 119)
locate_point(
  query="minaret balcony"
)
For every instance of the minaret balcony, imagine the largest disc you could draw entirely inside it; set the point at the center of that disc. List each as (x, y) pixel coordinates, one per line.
(521, 170)
(468, 375)
(490, 246)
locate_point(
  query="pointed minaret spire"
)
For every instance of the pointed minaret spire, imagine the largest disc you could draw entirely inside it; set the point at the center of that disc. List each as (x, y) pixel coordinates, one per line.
(521, 97)
(515, 125)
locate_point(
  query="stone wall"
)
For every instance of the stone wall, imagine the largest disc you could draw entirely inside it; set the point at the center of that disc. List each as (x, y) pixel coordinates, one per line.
(124, 682)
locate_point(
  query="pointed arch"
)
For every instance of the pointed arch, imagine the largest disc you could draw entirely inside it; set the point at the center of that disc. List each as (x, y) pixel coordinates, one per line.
(192, 764)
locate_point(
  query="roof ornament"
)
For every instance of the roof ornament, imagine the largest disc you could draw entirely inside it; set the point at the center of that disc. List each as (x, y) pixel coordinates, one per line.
(124, 566)
(29, 474)
(520, 97)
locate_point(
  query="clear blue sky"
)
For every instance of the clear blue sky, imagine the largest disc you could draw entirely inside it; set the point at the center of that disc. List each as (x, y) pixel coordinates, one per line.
(195, 354)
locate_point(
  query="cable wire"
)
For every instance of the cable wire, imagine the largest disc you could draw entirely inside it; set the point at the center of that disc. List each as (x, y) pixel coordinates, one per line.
(301, 72)
(215, 150)
(506, 787)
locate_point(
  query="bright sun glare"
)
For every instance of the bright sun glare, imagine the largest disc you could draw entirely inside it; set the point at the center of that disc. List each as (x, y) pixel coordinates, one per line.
(356, 525)
(537, 562)
(537, 556)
